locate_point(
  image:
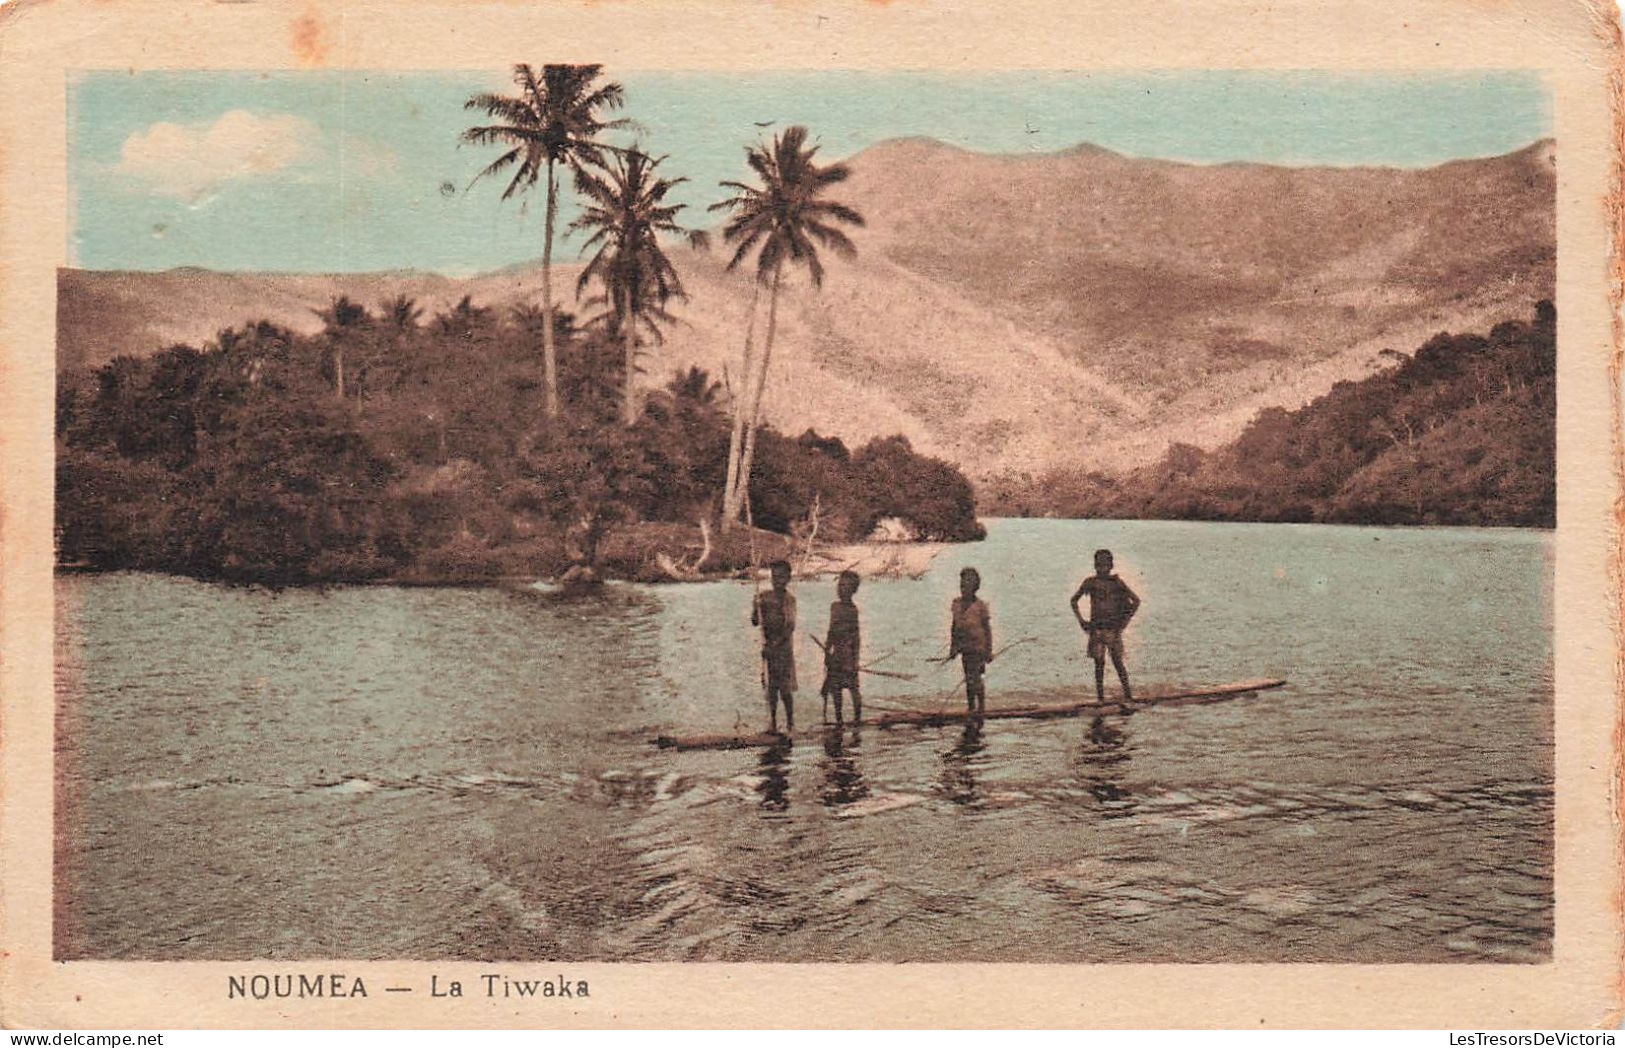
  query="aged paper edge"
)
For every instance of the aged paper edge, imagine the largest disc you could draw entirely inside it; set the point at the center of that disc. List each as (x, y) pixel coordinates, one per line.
(1575, 42)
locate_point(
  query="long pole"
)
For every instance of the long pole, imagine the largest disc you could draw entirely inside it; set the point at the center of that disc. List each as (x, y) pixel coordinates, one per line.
(1024, 640)
(756, 595)
(866, 669)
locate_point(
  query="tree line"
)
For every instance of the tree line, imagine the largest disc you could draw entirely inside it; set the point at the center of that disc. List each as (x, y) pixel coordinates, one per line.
(236, 460)
(1462, 431)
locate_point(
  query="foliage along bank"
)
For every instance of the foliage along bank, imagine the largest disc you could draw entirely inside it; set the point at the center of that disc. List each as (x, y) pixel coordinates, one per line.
(1460, 432)
(247, 460)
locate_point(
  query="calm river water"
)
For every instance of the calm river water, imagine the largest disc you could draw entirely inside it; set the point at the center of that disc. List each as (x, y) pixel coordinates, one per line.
(376, 772)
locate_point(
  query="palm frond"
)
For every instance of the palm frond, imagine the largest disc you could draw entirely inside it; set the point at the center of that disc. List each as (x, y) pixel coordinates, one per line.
(744, 248)
(514, 110)
(839, 212)
(499, 164)
(524, 78)
(802, 250)
(609, 96)
(829, 176)
(784, 217)
(832, 238)
(771, 257)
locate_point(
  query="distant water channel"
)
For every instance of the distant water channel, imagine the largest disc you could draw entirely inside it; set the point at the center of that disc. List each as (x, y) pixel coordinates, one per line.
(374, 772)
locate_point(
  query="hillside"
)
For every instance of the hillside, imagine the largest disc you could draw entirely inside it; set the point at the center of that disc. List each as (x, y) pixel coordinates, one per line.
(1463, 431)
(1028, 312)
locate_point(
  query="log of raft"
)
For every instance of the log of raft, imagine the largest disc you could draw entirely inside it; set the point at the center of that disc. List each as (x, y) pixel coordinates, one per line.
(1190, 697)
(723, 741)
(927, 718)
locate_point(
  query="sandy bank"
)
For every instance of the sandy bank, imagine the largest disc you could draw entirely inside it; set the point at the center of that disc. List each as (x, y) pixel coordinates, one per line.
(872, 559)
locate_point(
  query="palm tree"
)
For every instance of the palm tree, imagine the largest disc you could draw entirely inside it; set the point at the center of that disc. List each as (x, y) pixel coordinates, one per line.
(402, 312)
(783, 218)
(342, 322)
(627, 213)
(695, 385)
(463, 321)
(554, 119)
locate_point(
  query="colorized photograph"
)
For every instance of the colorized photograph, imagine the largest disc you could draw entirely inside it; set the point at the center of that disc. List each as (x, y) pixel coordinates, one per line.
(571, 513)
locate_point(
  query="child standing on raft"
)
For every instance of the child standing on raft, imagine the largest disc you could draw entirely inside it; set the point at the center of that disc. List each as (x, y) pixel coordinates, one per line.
(775, 612)
(1111, 605)
(841, 647)
(971, 638)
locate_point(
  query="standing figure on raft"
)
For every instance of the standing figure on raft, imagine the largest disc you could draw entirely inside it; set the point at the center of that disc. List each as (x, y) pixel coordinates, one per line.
(775, 612)
(841, 647)
(971, 638)
(1111, 605)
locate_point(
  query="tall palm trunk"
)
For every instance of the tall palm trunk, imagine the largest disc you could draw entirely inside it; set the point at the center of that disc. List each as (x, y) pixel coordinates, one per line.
(752, 423)
(732, 502)
(629, 335)
(550, 370)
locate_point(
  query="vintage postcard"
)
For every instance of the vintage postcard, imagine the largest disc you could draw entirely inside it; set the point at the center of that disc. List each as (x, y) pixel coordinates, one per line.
(689, 513)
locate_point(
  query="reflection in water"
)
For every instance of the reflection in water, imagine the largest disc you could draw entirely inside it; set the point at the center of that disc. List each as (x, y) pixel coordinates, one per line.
(1102, 762)
(959, 763)
(843, 782)
(775, 768)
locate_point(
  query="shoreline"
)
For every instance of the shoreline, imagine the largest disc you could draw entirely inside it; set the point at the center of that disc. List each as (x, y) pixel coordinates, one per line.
(871, 559)
(881, 559)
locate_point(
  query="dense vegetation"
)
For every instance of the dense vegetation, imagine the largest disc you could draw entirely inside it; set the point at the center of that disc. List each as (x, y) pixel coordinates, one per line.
(384, 447)
(433, 458)
(1463, 432)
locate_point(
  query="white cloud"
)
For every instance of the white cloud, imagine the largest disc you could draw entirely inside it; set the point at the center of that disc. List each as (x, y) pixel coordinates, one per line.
(189, 161)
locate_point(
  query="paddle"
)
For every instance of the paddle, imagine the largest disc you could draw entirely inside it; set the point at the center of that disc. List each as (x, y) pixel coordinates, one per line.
(1013, 644)
(943, 702)
(996, 654)
(886, 673)
(756, 605)
(868, 669)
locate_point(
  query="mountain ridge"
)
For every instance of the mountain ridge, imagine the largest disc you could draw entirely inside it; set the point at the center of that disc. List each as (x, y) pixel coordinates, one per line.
(1019, 312)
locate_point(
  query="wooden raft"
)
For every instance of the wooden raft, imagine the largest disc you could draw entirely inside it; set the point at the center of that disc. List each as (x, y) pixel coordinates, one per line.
(926, 718)
(1191, 697)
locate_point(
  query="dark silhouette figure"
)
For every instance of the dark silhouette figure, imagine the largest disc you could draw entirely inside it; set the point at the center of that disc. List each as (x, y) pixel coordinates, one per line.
(971, 637)
(775, 612)
(1111, 605)
(842, 645)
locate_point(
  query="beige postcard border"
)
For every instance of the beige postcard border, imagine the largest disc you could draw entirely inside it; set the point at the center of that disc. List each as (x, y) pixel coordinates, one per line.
(1571, 42)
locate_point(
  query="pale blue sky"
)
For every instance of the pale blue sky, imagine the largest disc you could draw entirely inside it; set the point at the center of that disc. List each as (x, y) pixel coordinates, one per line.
(358, 171)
